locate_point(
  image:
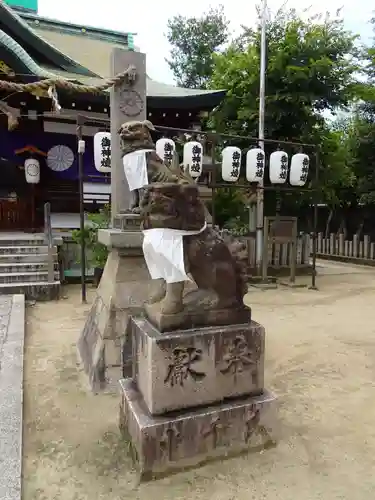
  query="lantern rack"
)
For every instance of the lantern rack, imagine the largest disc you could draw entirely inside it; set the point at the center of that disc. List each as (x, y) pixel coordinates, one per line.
(195, 141)
(297, 168)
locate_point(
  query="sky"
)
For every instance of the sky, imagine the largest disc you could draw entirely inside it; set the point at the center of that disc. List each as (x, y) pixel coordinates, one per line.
(148, 19)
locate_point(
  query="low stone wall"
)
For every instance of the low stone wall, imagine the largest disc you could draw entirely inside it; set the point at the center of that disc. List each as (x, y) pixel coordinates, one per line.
(348, 260)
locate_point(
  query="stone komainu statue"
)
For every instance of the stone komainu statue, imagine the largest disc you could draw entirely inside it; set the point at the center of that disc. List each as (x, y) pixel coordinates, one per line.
(171, 200)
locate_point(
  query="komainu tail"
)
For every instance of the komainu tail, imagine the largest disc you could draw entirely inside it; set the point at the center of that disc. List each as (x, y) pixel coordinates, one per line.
(239, 253)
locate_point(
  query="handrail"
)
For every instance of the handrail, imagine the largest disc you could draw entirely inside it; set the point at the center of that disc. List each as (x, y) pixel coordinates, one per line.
(48, 236)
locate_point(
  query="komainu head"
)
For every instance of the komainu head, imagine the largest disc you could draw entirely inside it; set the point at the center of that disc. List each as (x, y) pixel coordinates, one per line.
(135, 135)
(136, 130)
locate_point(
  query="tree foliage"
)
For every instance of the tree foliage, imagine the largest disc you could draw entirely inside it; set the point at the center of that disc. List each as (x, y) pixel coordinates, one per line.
(311, 68)
(360, 133)
(194, 42)
(315, 68)
(97, 252)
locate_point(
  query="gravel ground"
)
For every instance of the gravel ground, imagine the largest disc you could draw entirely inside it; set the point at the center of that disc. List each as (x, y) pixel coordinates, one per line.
(320, 361)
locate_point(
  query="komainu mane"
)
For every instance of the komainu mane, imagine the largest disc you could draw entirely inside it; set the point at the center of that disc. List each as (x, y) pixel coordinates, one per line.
(171, 200)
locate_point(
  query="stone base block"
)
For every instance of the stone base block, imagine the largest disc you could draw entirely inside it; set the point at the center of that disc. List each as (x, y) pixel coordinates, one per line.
(199, 366)
(166, 444)
(292, 284)
(196, 316)
(104, 345)
(41, 291)
(127, 222)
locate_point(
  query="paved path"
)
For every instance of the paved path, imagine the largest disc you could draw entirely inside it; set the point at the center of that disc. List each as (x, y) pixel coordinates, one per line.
(12, 330)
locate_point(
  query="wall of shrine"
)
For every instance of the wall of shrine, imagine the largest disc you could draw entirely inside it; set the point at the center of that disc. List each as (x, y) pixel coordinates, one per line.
(61, 160)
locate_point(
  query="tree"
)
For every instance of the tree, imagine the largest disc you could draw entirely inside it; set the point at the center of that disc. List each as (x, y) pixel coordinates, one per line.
(194, 42)
(311, 68)
(230, 209)
(360, 134)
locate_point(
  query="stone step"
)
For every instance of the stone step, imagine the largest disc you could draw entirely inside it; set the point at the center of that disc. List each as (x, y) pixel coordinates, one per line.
(25, 242)
(21, 267)
(33, 290)
(15, 258)
(25, 277)
(24, 249)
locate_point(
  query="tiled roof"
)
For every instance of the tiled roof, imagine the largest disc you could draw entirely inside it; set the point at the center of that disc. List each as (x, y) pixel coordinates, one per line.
(12, 24)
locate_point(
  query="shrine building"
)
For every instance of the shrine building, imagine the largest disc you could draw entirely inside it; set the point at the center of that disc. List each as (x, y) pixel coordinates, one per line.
(34, 48)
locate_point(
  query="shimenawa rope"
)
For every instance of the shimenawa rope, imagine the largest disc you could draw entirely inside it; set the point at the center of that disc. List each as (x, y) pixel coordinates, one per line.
(128, 75)
(49, 85)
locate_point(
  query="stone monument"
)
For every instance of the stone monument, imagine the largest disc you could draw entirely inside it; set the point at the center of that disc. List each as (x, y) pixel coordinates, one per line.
(102, 345)
(197, 386)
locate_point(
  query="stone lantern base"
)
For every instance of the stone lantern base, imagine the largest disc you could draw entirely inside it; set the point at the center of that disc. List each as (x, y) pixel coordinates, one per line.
(104, 344)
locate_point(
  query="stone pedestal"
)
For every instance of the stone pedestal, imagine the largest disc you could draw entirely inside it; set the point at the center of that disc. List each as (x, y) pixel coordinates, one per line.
(195, 395)
(196, 367)
(171, 442)
(125, 282)
(104, 345)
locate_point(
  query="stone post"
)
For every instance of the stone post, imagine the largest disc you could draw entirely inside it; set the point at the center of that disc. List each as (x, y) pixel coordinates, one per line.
(366, 246)
(127, 103)
(341, 244)
(104, 345)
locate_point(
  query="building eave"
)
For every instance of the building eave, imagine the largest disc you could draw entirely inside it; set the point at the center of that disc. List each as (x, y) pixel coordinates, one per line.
(77, 29)
(23, 32)
(161, 95)
(164, 95)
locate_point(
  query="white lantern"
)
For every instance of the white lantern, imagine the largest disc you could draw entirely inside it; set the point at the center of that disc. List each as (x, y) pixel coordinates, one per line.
(102, 152)
(193, 158)
(255, 165)
(231, 163)
(278, 167)
(299, 169)
(32, 171)
(165, 149)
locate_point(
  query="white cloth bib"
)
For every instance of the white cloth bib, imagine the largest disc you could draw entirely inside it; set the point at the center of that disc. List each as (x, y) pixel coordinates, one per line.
(135, 168)
(163, 250)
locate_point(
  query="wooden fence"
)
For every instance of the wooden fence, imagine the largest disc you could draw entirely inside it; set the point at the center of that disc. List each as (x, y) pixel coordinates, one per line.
(336, 245)
(279, 255)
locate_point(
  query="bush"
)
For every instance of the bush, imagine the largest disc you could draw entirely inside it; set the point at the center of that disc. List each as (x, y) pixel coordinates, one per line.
(230, 208)
(97, 251)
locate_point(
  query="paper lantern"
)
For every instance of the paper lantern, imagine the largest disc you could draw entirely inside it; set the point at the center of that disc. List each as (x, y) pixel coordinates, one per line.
(165, 149)
(231, 164)
(299, 169)
(255, 165)
(278, 167)
(193, 158)
(32, 171)
(102, 152)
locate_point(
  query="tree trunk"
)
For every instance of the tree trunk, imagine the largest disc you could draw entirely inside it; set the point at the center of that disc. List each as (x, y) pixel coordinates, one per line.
(343, 229)
(328, 223)
(359, 230)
